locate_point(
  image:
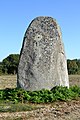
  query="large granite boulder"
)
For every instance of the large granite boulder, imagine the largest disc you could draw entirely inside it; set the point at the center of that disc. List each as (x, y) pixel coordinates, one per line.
(42, 59)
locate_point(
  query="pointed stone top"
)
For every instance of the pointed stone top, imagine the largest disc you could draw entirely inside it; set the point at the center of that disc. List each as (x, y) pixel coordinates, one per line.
(42, 60)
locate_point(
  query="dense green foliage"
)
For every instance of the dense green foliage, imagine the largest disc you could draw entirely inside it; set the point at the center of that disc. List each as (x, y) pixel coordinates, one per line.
(9, 65)
(42, 96)
(73, 66)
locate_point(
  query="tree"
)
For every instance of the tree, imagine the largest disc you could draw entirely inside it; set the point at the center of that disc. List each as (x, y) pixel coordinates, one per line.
(78, 63)
(72, 66)
(10, 64)
(0, 68)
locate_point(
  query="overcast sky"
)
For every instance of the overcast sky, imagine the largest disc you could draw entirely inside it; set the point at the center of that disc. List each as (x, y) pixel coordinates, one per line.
(16, 15)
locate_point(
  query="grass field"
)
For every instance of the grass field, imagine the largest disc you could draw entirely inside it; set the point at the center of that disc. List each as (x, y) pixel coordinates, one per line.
(10, 81)
(74, 80)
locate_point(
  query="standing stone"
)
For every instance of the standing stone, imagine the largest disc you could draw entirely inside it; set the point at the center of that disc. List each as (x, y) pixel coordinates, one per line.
(42, 60)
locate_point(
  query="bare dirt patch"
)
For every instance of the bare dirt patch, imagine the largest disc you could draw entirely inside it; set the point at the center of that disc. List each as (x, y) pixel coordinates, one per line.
(53, 111)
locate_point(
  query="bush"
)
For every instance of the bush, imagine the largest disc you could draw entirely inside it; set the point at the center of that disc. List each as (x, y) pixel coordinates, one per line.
(41, 96)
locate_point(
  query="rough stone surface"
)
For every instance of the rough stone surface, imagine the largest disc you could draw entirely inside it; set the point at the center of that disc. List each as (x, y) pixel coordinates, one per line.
(42, 62)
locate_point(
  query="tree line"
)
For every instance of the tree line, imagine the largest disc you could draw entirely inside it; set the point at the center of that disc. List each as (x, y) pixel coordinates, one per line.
(9, 65)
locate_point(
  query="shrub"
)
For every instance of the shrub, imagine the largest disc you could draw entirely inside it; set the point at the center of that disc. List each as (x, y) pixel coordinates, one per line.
(41, 96)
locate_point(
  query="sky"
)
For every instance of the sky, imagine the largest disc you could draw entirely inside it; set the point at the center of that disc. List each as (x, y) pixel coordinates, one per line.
(16, 15)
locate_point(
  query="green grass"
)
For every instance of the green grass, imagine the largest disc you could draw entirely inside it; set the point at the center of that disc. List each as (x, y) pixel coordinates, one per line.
(11, 107)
